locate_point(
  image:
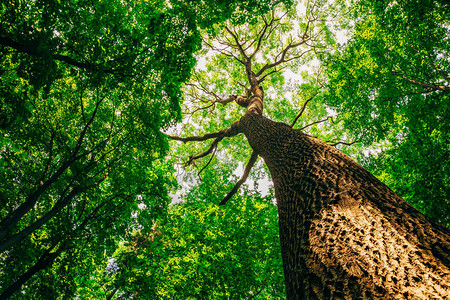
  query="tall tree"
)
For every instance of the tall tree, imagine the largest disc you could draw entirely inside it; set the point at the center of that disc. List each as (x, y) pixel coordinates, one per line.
(343, 233)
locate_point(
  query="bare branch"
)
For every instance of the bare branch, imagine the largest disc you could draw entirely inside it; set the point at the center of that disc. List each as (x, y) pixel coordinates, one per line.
(208, 151)
(200, 108)
(241, 50)
(305, 33)
(317, 122)
(248, 167)
(429, 87)
(301, 110)
(342, 143)
(218, 136)
(227, 100)
(200, 98)
(301, 54)
(197, 138)
(270, 73)
(204, 89)
(207, 164)
(248, 91)
(261, 34)
(281, 57)
(223, 51)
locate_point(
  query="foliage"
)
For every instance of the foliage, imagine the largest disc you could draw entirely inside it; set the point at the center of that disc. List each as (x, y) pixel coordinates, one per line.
(209, 12)
(390, 86)
(203, 251)
(86, 87)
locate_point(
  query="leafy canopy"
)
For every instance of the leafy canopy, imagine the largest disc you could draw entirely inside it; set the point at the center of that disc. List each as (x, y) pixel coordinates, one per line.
(86, 87)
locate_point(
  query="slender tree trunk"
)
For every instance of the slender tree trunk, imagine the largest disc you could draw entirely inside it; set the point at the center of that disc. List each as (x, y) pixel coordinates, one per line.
(44, 261)
(9, 242)
(343, 233)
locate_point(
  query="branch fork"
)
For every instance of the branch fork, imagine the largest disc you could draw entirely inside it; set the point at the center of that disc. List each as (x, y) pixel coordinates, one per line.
(218, 136)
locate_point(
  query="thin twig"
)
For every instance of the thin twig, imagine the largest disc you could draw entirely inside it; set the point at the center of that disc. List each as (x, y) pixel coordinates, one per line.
(207, 164)
(317, 122)
(342, 143)
(301, 111)
(248, 167)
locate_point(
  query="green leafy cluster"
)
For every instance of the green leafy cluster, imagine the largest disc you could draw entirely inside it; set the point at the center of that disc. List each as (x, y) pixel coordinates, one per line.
(203, 251)
(210, 12)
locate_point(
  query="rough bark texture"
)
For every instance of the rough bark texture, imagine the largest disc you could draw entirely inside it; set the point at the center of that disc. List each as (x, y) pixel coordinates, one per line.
(344, 234)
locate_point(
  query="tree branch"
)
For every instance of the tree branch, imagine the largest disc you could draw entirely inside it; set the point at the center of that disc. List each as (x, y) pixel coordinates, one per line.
(218, 99)
(207, 164)
(261, 35)
(64, 199)
(223, 51)
(248, 167)
(234, 129)
(239, 46)
(282, 57)
(43, 262)
(197, 93)
(14, 216)
(196, 138)
(270, 73)
(301, 111)
(6, 41)
(208, 151)
(317, 122)
(429, 87)
(342, 143)
(47, 257)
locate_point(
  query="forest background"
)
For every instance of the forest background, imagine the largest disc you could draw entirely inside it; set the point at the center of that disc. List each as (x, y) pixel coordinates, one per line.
(88, 177)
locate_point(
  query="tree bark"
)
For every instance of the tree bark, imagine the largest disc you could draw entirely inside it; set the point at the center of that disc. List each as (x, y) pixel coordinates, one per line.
(44, 261)
(343, 233)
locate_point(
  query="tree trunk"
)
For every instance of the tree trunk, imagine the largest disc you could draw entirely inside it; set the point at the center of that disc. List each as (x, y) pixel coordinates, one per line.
(46, 260)
(343, 233)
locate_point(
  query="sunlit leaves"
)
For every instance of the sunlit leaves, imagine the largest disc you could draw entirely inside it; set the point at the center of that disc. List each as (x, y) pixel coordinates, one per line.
(86, 88)
(83, 108)
(384, 86)
(205, 251)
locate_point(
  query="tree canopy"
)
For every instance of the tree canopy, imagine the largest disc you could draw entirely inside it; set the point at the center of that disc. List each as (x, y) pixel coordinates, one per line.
(86, 87)
(204, 251)
(87, 177)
